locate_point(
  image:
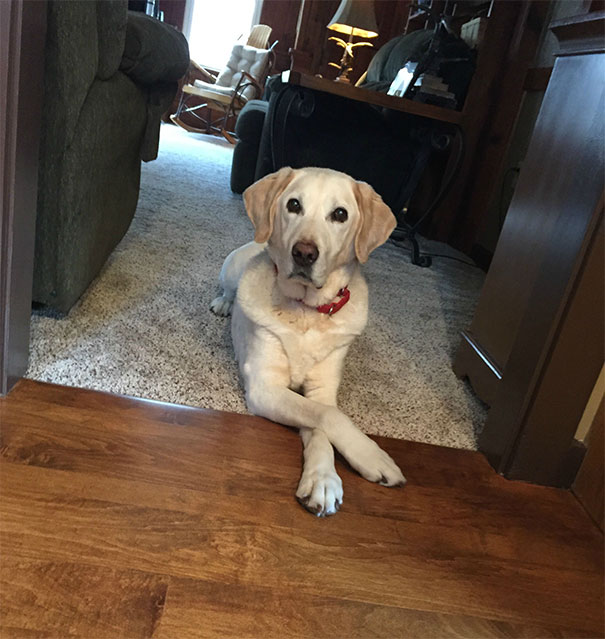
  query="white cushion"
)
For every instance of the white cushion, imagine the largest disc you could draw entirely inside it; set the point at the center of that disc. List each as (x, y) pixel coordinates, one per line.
(244, 58)
(200, 84)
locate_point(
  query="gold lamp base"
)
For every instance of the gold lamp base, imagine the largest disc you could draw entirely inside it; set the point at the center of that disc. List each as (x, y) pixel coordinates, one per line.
(347, 57)
(342, 78)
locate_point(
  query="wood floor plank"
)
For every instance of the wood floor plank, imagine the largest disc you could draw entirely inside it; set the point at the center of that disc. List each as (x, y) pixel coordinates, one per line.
(138, 441)
(184, 458)
(421, 567)
(430, 540)
(61, 599)
(199, 609)
(238, 460)
(196, 496)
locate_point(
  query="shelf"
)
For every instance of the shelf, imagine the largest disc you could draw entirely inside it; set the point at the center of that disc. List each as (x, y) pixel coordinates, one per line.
(372, 97)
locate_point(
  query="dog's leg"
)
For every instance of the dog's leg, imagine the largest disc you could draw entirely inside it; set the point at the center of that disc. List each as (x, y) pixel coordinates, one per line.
(233, 267)
(362, 452)
(284, 406)
(320, 487)
(267, 395)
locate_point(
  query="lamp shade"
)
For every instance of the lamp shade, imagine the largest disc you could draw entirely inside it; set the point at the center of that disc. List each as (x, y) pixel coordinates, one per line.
(355, 17)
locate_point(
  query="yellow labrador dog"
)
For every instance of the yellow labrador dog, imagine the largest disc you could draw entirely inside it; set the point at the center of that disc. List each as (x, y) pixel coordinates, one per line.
(298, 300)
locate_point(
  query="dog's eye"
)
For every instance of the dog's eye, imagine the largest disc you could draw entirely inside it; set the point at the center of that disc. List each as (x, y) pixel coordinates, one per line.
(339, 215)
(293, 205)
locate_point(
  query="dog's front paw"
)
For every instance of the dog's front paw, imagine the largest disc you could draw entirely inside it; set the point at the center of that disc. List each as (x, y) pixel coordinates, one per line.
(221, 306)
(374, 464)
(320, 492)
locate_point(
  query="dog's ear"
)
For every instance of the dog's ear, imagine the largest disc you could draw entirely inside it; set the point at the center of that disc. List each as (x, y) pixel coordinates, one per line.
(261, 201)
(376, 221)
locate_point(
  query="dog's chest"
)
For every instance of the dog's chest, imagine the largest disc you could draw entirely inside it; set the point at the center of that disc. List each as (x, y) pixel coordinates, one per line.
(308, 341)
(307, 336)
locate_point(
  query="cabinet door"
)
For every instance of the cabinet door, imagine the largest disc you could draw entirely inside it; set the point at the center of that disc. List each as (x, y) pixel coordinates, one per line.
(545, 243)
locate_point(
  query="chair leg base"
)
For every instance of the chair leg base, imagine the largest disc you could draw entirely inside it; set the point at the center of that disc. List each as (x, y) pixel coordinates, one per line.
(208, 131)
(228, 136)
(192, 129)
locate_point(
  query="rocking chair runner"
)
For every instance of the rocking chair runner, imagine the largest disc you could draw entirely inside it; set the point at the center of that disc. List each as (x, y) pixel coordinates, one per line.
(241, 80)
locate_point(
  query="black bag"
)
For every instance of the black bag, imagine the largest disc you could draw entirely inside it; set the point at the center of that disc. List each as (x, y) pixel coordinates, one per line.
(443, 53)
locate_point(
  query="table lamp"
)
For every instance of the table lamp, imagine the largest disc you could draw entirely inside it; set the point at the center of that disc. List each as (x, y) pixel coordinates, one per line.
(355, 18)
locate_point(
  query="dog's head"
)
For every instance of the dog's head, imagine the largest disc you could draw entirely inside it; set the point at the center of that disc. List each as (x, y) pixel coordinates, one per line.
(316, 220)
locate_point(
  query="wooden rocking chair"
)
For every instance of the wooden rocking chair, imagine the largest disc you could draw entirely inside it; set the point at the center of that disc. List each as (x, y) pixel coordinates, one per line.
(241, 80)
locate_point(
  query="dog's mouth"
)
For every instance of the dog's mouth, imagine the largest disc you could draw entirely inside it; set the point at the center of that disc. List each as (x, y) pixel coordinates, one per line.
(304, 277)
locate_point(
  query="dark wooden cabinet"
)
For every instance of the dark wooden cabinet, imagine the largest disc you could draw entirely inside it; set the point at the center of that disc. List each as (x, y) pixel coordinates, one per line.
(535, 346)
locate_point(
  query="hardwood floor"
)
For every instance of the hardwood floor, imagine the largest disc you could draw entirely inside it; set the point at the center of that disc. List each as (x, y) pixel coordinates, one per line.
(130, 518)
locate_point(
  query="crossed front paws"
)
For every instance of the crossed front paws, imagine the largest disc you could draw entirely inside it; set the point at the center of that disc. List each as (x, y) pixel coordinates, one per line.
(320, 491)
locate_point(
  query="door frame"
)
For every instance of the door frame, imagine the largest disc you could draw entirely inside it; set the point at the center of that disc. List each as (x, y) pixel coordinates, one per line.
(22, 40)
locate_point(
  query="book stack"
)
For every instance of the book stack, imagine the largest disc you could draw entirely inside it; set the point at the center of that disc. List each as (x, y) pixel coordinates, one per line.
(431, 89)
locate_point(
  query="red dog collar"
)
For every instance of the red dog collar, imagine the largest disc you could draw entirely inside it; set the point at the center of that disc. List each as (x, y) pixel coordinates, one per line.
(334, 307)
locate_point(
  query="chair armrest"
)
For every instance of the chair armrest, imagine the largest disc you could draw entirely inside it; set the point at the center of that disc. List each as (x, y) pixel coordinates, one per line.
(244, 82)
(154, 52)
(208, 74)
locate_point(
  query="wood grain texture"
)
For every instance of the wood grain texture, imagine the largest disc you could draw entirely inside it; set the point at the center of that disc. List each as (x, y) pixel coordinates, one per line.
(207, 609)
(60, 599)
(187, 519)
(282, 15)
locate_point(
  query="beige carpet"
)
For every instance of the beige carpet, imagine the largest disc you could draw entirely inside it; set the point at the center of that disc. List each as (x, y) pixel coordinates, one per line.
(143, 328)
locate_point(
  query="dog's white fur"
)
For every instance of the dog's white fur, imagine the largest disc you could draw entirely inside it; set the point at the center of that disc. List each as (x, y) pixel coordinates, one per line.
(290, 355)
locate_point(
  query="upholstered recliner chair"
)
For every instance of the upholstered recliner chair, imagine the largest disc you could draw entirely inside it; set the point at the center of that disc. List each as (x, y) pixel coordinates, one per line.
(340, 134)
(109, 76)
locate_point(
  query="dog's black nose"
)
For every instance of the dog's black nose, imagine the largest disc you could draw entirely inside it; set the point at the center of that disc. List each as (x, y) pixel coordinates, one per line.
(305, 253)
